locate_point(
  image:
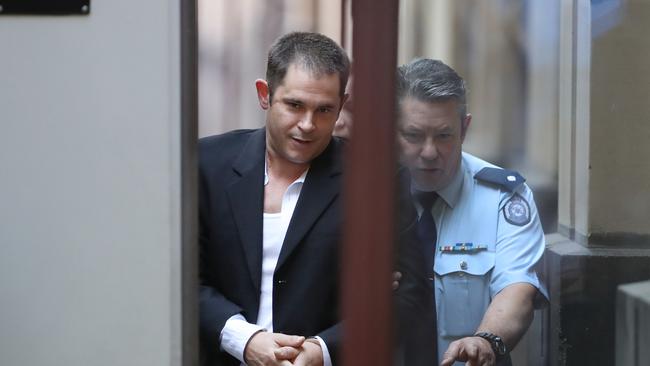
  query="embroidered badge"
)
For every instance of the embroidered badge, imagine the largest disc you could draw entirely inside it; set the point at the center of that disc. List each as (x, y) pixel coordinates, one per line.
(517, 211)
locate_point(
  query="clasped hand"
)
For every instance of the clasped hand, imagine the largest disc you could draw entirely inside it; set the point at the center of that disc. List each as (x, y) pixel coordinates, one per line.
(271, 349)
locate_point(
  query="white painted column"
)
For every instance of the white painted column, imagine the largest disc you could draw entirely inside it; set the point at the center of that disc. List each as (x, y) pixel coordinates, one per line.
(633, 324)
(604, 134)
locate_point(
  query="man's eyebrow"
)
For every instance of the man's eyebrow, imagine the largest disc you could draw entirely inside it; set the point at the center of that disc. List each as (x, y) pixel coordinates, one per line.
(326, 105)
(444, 128)
(411, 128)
(292, 100)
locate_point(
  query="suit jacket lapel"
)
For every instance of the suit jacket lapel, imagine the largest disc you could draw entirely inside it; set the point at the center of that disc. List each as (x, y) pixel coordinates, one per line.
(246, 196)
(321, 186)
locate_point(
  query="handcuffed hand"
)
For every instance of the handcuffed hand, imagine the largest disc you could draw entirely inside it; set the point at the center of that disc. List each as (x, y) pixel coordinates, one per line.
(273, 349)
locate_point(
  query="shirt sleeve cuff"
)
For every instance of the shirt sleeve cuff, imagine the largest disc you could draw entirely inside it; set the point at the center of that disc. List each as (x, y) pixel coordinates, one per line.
(327, 360)
(235, 335)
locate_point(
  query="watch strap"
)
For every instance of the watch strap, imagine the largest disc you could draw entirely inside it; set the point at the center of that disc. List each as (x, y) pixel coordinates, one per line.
(498, 346)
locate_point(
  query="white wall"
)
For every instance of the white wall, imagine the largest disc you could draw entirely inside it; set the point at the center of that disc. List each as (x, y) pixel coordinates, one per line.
(90, 186)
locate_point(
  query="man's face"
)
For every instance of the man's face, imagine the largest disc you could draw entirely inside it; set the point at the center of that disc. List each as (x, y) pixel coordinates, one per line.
(430, 138)
(301, 117)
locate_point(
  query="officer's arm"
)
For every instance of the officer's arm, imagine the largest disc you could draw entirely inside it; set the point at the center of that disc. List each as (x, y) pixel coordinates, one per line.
(510, 313)
(508, 316)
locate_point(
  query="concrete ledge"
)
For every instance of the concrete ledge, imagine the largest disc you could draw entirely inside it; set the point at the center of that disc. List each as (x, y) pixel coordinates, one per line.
(582, 286)
(633, 324)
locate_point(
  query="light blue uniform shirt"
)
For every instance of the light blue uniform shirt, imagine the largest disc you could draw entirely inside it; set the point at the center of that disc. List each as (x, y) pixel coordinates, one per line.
(504, 243)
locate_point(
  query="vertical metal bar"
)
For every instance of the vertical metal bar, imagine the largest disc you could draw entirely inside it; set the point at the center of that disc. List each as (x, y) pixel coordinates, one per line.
(370, 188)
(189, 180)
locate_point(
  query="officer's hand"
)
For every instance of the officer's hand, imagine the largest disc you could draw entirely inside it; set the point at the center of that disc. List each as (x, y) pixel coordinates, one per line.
(273, 349)
(476, 351)
(397, 276)
(310, 355)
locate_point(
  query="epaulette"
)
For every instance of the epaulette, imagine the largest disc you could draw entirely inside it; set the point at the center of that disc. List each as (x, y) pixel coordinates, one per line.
(509, 179)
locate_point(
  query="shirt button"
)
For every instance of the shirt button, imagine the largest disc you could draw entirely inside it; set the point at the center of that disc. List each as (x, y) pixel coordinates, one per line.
(281, 282)
(463, 265)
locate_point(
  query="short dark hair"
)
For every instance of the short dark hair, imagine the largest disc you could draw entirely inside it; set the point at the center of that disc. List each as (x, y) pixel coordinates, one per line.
(313, 51)
(431, 81)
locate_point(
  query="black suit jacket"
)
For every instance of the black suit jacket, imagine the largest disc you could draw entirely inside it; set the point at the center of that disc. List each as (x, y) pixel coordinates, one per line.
(306, 279)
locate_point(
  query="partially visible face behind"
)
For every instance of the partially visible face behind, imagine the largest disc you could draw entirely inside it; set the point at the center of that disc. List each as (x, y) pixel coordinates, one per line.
(430, 137)
(343, 126)
(301, 117)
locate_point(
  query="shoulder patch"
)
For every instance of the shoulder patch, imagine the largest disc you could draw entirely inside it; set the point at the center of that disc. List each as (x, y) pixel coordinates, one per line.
(517, 210)
(508, 179)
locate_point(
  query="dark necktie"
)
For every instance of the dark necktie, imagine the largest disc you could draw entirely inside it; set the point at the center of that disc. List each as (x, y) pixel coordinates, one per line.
(428, 235)
(427, 228)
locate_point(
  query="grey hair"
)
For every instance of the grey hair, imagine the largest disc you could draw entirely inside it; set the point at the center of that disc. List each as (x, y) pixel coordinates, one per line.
(431, 81)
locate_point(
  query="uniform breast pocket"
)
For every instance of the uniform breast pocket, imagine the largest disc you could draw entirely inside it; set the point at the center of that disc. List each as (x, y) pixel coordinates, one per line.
(462, 291)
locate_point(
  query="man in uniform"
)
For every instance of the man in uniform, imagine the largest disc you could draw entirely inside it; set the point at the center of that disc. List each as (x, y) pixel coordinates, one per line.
(478, 223)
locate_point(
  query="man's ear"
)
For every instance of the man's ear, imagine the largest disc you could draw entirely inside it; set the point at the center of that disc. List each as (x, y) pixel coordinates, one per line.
(464, 125)
(263, 93)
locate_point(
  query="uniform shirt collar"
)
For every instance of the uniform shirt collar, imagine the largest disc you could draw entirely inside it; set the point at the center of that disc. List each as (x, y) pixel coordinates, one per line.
(451, 193)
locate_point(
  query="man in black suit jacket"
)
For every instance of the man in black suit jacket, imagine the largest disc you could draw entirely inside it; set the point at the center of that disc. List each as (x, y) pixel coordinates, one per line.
(270, 217)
